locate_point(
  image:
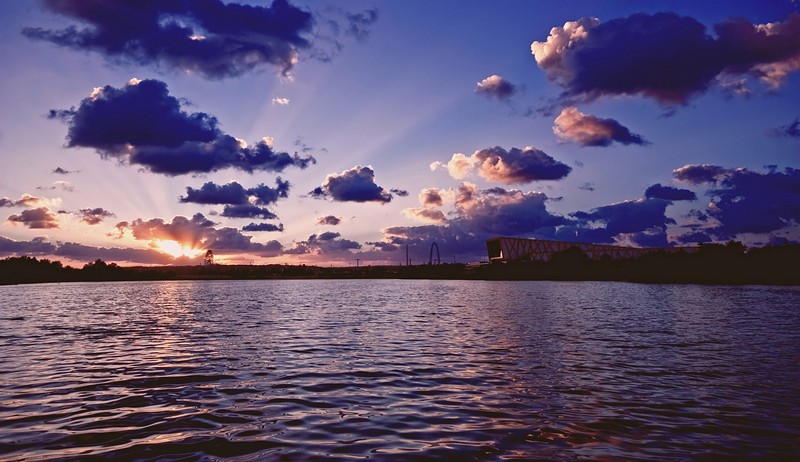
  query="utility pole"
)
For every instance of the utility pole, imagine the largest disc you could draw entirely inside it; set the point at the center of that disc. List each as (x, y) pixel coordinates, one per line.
(407, 262)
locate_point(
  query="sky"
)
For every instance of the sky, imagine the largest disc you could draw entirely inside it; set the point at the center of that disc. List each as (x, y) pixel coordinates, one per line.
(306, 132)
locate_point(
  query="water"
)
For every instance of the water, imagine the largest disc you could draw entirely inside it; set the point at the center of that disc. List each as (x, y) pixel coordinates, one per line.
(398, 370)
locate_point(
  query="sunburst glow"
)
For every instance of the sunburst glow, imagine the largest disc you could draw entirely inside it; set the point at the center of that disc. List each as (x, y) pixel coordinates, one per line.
(175, 249)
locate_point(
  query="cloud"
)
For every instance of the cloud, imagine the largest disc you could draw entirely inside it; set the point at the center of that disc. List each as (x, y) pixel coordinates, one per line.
(27, 200)
(354, 185)
(791, 131)
(459, 166)
(358, 24)
(62, 185)
(61, 171)
(587, 187)
(478, 215)
(328, 243)
(209, 38)
(699, 174)
(425, 214)
(198, 232)
(640, 222)
(247, 211)
(500, 211)
(743, 201)
(399, 192)
(588, 130)
(143, 125)
(693, 237)
(36, 246)
(39, 218)
(657, 191)
(666, 57)
(431, 197)
(263, 227)
(234, 193)
(329, 220)
(94, 216)
(512, 166)
(280, 101)
(74, 251)
(497, 87)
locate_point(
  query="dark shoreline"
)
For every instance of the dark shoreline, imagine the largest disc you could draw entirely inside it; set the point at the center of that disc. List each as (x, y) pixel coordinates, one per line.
(714, 264)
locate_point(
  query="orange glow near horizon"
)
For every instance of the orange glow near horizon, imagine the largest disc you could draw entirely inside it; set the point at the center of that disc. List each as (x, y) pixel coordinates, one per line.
(175, 249)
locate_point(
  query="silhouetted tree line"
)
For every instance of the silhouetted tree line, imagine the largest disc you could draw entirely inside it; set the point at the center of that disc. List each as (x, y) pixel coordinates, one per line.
(730, 263)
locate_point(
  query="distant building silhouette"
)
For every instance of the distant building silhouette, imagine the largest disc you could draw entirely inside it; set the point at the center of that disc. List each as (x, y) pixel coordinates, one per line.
(512, 249)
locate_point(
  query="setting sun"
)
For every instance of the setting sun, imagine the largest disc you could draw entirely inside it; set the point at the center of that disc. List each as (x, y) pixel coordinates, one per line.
(175, 249)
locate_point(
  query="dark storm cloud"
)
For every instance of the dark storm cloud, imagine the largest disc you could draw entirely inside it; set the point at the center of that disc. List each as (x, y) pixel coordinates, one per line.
(144, 125)
(354, 185)
(588, 130)
(328, 243)
(792, 130)
(664, 56)
(94, 216)
(329, 220)
(263, 227)
(208, 37)
(198, 232)
(36, 246)
(235, 194)
(497, 87)
(39, 218)
(657, 191)
(247, 211)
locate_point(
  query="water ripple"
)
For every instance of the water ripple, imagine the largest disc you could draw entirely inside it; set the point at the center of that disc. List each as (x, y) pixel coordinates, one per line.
(422, 370)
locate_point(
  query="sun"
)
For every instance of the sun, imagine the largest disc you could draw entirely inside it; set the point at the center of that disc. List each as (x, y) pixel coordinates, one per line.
(175, 249)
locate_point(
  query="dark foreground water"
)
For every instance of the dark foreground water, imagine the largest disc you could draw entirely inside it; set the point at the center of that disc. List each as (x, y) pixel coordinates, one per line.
(398, 370)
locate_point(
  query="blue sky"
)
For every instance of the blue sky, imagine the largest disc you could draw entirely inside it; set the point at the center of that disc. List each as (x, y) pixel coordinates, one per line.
(306, 132)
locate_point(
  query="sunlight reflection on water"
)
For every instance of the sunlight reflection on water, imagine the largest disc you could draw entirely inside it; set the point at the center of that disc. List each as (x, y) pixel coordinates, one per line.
(393, 370)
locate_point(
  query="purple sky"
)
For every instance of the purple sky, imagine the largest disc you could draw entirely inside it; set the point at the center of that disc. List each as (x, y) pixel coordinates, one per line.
(306, 132)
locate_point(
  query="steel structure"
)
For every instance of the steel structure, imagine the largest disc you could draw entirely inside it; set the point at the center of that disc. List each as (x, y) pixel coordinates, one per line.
(512, 249)
(209, 259)
(438, 259)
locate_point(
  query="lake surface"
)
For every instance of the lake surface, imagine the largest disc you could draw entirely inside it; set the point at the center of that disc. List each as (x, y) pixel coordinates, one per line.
(398, 370)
